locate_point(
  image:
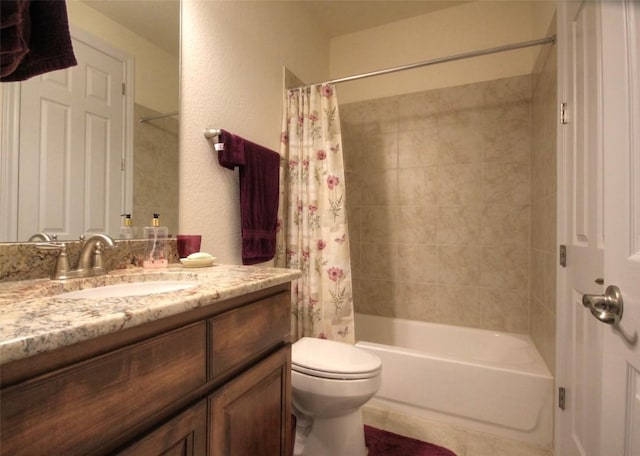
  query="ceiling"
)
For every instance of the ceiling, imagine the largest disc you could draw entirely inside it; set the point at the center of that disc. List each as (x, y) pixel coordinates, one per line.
(158, 20)
(339, 17)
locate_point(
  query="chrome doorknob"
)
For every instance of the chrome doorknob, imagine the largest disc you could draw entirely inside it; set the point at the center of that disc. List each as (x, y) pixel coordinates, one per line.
(607, 307)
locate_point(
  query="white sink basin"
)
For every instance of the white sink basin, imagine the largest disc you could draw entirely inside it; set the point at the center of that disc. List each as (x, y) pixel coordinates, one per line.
(128, 289)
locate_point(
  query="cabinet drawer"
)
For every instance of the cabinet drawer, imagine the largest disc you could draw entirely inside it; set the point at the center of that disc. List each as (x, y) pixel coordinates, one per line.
(85, 407)
(243, 334)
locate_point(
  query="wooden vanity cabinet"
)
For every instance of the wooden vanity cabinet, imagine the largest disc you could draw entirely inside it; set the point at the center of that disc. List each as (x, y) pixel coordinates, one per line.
(213, 381)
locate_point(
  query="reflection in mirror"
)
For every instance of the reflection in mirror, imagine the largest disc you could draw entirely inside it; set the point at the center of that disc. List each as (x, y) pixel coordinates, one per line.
(72, 162)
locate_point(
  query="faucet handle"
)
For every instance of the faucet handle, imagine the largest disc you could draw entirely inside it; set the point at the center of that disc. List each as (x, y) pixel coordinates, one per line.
(97, 256)
(51, 246)
(62, 264)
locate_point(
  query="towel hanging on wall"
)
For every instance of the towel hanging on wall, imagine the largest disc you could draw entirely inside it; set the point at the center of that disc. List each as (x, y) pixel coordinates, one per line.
(34, 38)
(259, 187)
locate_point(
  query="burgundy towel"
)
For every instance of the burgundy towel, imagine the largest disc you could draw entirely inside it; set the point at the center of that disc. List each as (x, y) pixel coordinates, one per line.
(259, 192)
(35, 38)
(15, 31)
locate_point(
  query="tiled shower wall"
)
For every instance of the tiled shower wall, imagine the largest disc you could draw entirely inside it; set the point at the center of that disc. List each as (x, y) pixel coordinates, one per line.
(440, 204)
(544, 193)
(155, 175)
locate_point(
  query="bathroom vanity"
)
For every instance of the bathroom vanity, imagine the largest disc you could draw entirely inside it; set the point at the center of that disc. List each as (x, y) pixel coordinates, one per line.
(199, 371)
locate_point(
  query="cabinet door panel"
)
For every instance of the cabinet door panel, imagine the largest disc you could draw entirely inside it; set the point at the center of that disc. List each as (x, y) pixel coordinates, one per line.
(185, 435)
(249, 415)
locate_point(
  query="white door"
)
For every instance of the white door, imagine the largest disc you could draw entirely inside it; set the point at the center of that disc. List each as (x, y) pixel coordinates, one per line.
(598, 188)
(72, 149)
(581, 228)
(620, 428)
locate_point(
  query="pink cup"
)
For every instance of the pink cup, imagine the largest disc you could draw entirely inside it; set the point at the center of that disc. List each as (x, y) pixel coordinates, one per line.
(188, 244)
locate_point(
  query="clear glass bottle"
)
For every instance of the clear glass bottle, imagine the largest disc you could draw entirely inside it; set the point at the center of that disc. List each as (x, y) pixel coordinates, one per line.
(156, 251)
(126, 230)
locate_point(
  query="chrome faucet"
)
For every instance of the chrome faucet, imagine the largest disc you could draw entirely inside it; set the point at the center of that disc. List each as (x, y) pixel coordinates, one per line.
(90, 260)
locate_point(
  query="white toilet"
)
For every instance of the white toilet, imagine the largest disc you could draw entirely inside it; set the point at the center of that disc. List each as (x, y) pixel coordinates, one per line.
(330, 382)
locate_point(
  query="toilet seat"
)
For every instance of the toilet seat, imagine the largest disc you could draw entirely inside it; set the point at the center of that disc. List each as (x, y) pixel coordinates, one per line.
(334, 360)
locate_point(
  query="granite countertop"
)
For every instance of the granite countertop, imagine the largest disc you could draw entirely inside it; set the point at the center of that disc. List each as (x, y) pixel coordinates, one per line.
(33, 320)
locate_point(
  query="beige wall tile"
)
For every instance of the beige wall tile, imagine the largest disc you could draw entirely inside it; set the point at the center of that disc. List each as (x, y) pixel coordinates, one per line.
(454, 171)
(458, 305)
(378, 151)
(417, 148)
(459, 225)
(351, 153)
(417, 111)
(417, 224)
(378, 187)
(543, 206)
(505, 266)
(352, 182)
(506, 183)
(379, 116)
(549, 281)
(457, 99)
(505, 310)
(459, 138)
(417, 186)
(416, 301)
(506, 133)
(417, 263)
(377, 297)
(459, 185)
(459, 265)
(505, 224)
(380, 224)
(507, 90)
(537, 273)
(378, 261)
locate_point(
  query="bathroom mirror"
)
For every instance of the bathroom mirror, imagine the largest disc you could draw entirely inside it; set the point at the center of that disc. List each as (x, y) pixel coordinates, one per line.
(147, 33)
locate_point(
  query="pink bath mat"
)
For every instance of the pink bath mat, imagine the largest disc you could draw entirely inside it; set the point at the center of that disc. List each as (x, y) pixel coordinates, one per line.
(384, 443)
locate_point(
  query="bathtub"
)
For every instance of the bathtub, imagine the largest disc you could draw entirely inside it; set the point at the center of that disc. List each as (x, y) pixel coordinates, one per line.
(480, 380)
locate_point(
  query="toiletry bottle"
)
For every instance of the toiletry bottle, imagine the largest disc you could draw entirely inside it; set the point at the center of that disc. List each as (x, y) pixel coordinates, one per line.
(156, 251)
(126, 230)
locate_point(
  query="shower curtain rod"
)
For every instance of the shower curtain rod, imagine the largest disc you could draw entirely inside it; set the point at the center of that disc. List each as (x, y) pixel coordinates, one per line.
(451, 58)
(147, 119)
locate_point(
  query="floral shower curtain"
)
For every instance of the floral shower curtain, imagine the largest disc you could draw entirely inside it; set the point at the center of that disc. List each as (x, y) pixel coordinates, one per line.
(313, 235)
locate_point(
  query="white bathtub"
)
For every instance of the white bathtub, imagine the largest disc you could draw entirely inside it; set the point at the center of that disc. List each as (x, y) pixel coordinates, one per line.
(481, 380)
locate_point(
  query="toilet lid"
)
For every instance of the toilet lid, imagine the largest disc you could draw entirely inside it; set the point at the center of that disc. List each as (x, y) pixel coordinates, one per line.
(330, 359)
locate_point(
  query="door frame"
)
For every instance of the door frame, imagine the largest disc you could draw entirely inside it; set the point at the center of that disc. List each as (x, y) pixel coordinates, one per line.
(10, 139)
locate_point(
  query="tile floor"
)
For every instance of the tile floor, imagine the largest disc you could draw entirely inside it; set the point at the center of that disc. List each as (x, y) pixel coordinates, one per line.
(461, 441)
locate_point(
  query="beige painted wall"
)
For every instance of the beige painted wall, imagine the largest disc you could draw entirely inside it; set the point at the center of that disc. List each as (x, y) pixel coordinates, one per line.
(460, 29)
(233, 55)
(156, 71)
